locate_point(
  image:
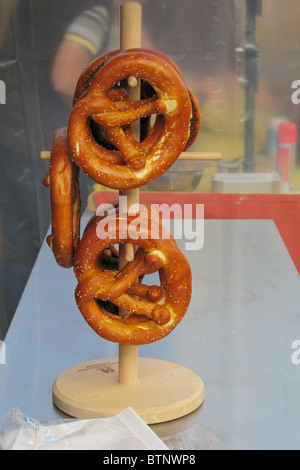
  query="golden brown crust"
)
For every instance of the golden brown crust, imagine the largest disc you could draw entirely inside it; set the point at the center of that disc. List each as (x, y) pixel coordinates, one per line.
(195, 121)
(119, 94)
(65, 201)
(133, 164)
(153, 311)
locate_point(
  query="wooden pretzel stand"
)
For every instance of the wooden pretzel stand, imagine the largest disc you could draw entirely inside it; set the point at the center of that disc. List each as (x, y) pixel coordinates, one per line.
(157, 390)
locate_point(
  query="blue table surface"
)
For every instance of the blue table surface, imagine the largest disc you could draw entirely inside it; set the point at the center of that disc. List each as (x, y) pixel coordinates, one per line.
(237, 336)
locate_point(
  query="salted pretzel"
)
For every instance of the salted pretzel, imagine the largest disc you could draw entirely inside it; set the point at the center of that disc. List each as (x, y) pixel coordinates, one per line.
(133, 164)
(152, 311)
(118, 93)
(147, 91)
(63, 181)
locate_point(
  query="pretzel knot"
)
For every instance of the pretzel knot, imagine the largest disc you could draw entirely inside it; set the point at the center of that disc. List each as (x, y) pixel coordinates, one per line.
(63, 182)
(152, 311)
(129, 163)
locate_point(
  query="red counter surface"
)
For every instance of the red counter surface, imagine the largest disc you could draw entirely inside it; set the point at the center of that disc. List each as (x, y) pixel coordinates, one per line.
(283, 209)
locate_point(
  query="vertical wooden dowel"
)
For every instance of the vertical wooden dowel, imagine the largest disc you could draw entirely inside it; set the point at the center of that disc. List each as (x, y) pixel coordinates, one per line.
(130, 37)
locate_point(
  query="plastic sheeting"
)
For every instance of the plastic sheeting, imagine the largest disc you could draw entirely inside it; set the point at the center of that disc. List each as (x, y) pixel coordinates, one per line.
(44, 45)
(125, 431)
(37, 103)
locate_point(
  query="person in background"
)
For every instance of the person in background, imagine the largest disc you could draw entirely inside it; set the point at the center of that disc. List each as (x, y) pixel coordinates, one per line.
(85, 38)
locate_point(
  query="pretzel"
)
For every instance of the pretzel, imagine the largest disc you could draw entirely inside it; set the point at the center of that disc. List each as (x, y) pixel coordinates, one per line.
(132, 164)
(153, 310)
(90, 71)
(63, 181)
(118, 93)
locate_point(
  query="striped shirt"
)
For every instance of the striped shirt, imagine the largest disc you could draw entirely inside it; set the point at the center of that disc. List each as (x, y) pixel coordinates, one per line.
(90, 29)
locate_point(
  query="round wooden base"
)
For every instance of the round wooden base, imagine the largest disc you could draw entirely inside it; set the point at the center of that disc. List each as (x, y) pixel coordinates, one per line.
(164, 391)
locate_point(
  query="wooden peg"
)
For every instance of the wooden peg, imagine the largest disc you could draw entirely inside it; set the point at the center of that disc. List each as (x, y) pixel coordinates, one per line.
(130, 37)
